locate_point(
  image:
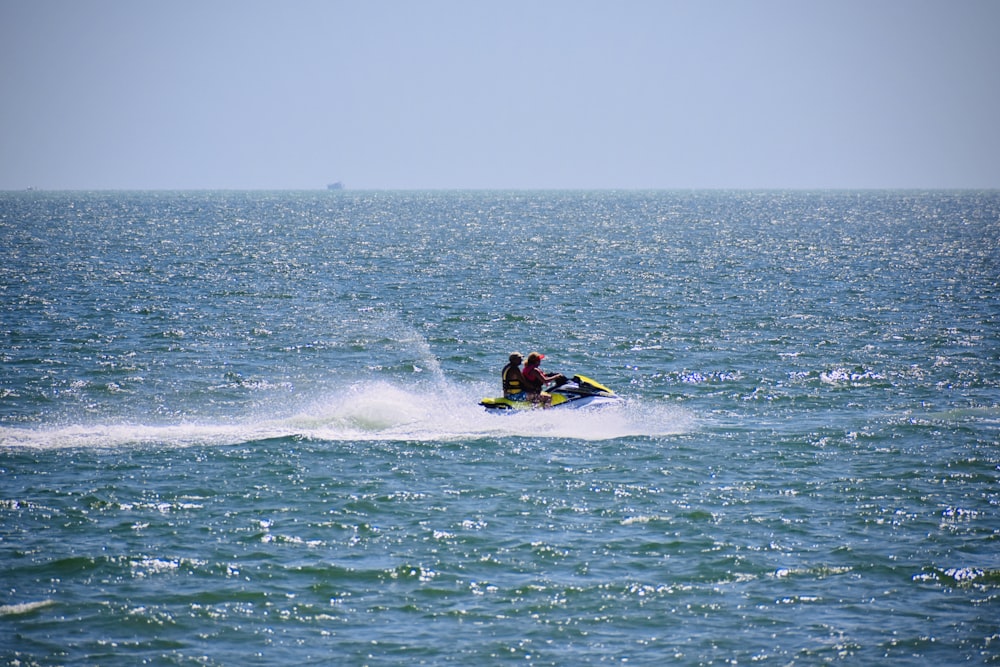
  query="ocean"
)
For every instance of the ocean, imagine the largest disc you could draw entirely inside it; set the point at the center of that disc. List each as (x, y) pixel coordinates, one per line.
(242, 428)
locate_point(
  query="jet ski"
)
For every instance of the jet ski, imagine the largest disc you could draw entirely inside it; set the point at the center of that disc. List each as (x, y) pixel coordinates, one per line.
(580, 392)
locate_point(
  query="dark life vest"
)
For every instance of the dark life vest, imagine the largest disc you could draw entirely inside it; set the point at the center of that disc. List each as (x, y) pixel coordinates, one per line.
(511, 376)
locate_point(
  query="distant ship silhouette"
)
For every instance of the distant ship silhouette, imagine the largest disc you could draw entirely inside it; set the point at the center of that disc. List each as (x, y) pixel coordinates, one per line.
(335, 186)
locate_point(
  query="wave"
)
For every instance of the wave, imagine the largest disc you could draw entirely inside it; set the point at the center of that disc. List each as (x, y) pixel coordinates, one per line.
(24, 607)
(372, 411)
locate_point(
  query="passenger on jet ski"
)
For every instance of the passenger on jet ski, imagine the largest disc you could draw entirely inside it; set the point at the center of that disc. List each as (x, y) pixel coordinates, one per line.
(535, 380)
(513, 381)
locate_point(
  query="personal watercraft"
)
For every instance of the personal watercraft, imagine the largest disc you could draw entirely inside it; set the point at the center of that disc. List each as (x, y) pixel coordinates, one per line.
(580, 392)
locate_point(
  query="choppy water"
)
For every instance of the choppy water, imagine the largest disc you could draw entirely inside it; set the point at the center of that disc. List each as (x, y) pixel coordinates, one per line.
(242, 428)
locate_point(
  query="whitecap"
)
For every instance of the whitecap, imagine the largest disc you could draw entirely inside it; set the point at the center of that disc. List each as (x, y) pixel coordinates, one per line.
(24, 607)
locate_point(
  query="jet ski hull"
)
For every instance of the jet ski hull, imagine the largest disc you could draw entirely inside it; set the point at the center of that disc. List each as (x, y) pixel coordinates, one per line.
(580, 392)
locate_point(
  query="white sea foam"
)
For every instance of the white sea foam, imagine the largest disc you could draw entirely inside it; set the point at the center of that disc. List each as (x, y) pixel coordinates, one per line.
(24, 607)
(384, 411)
(111, 435)
(375, 411)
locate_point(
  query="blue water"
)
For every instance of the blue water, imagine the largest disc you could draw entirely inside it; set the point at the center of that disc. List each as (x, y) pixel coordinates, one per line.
(242, 428)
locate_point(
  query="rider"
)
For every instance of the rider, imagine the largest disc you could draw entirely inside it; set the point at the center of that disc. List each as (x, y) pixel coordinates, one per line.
(513, 381)
(535, 380)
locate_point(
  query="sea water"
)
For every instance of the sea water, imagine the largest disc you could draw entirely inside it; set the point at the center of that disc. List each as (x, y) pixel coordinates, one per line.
(243, 428)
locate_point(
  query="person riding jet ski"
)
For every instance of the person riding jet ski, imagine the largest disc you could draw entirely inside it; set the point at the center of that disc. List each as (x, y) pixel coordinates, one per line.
(512, 379)
(535, 380)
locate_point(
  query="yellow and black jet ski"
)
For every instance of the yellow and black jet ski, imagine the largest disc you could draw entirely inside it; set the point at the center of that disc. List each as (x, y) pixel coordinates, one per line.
(580, 392)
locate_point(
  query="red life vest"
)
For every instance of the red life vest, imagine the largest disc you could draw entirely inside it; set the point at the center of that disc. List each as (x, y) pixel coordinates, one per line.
(532, 379)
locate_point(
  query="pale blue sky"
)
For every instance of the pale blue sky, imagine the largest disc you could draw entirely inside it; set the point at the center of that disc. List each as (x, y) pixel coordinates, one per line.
(127, 94)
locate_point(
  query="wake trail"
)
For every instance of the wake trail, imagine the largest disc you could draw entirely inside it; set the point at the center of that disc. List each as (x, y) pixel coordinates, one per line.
(371, 411)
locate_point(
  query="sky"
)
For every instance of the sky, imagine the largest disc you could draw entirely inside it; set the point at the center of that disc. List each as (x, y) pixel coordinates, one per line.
(504, 94)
